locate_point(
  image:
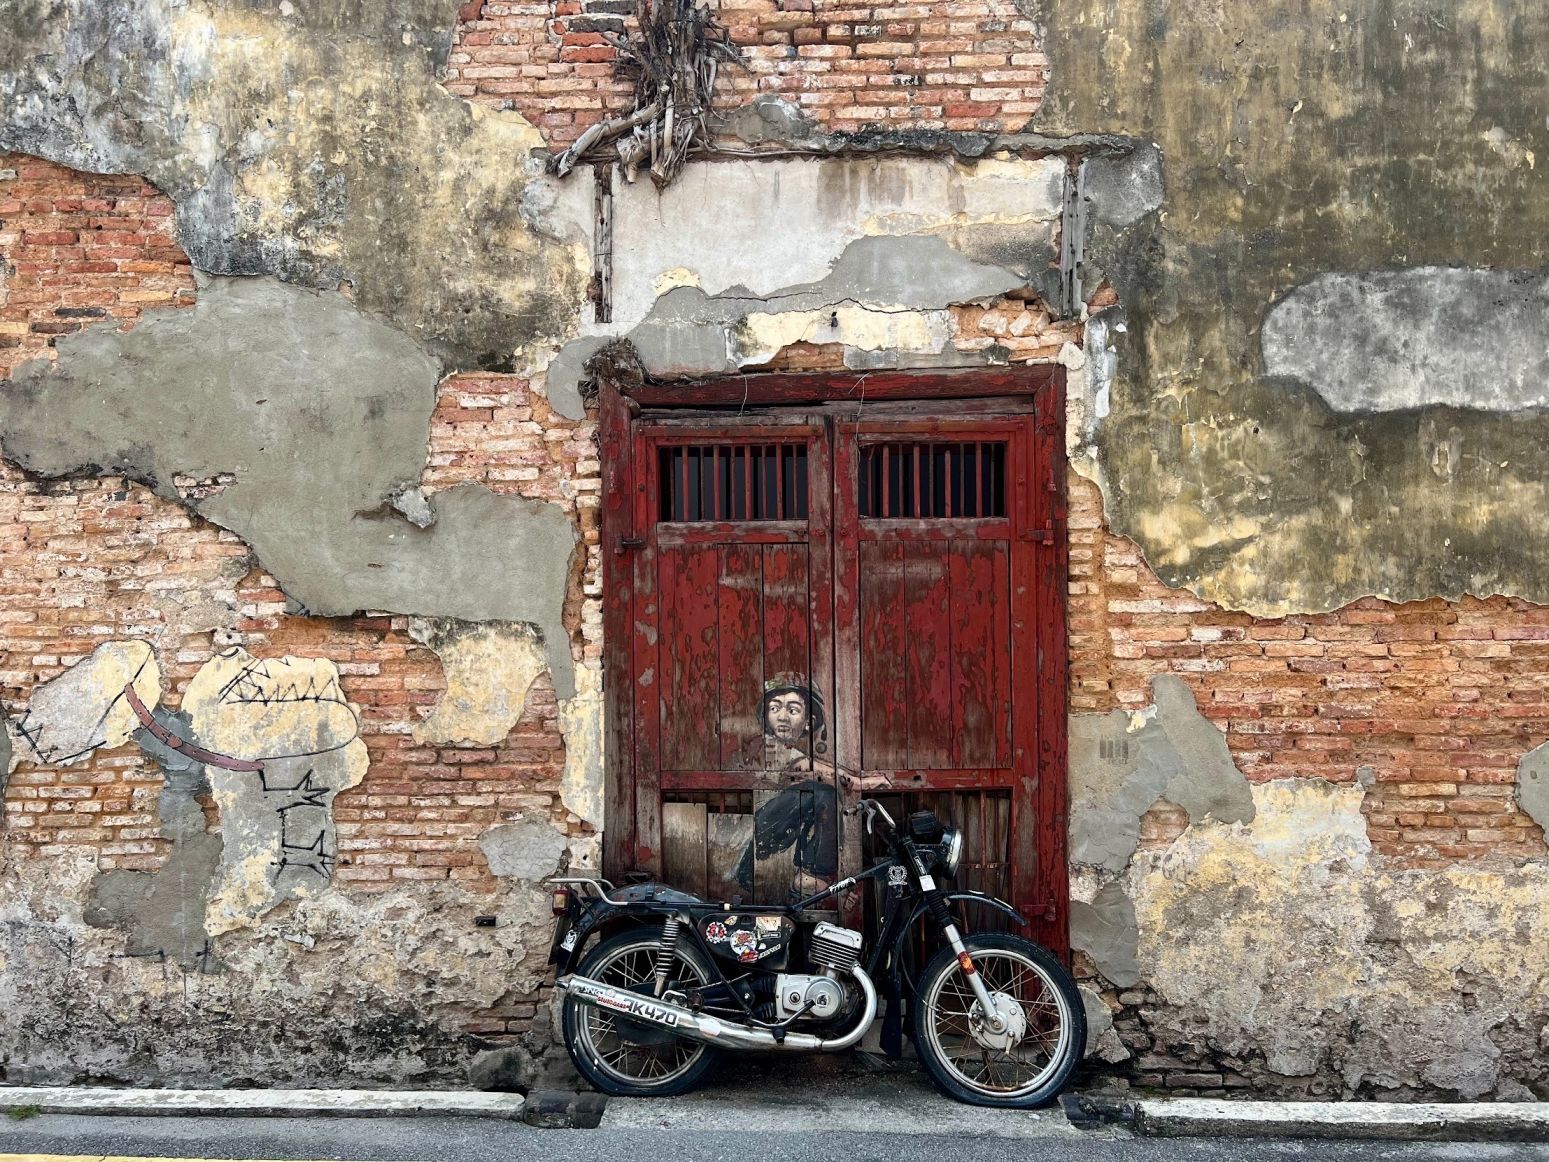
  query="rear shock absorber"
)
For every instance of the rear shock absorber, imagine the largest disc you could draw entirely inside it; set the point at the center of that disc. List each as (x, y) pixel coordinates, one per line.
(666, 953)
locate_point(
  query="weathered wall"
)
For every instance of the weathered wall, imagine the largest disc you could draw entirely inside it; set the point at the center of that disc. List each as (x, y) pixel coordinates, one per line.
(155, 906)
(1306, 410)
(1304, 856)
(292, 517)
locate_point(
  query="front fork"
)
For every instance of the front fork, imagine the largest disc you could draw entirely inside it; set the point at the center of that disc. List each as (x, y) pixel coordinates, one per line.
(942, 914)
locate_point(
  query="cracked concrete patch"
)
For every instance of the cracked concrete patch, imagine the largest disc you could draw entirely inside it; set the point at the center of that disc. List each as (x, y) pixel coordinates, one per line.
(162, 912)
(489, 668)
(1387, 340)
(1122, 763)
(320, 416)
(528, 849)
(1533, 785)
(1104, 928)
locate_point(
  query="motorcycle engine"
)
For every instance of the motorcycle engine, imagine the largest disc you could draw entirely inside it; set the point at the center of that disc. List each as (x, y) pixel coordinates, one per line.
(795, 992)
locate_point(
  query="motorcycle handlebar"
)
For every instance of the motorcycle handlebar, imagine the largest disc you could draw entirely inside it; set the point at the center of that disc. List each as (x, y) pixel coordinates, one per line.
(873, 810)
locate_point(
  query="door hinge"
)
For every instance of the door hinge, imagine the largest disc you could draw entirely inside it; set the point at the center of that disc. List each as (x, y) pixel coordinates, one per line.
(1042, 536)
(626, 543)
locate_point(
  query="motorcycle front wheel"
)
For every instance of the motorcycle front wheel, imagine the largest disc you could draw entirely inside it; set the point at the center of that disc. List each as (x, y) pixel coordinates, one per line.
(626, 1058)
(1027, 1062)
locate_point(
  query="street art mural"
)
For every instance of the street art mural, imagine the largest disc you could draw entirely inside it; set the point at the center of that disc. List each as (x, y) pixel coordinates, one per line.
(272, 740)
(804, 817)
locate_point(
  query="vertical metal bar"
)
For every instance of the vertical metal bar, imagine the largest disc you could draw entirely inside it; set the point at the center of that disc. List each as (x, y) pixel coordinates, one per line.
(747, 482)
(917, 511)
(780, 509)
(715, 482)
(984, 845)
(887, 481)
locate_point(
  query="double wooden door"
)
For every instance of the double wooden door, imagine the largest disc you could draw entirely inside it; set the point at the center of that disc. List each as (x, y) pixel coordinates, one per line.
(813, 607)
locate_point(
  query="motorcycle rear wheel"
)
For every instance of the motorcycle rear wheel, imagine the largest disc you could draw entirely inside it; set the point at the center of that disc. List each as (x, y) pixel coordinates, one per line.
(600, 1047)
(1023, 1069)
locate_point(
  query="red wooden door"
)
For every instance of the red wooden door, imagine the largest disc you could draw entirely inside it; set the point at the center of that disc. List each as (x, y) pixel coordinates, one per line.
(735, 788)
(820, 608)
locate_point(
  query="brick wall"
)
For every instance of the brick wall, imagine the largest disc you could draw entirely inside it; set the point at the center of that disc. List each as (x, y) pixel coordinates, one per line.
(77, 249)
(1438, 699)
(948, 64)
(86, 562)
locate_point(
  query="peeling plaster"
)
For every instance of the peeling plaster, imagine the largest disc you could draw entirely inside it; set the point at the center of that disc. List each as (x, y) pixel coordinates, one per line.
(1123, 763)
(320, 416)
(757, 229)
(1396, 979)
(489, 668)
(582, 783)
(323, 990)
(881, 295)
(70, 717)
(315, 144)
(1390, 340)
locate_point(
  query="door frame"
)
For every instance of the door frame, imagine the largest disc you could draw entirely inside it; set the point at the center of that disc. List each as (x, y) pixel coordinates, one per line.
(1042, 385)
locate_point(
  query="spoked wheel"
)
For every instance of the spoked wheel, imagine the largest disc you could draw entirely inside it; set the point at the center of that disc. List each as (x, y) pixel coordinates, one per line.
(632, 1058)
(1024, 1064)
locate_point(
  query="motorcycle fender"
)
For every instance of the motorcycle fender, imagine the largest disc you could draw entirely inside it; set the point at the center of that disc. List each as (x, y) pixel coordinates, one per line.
(571, 937)
(984, 898)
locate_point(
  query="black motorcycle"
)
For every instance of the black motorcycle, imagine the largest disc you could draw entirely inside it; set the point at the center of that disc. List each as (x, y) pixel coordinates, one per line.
(674, 979)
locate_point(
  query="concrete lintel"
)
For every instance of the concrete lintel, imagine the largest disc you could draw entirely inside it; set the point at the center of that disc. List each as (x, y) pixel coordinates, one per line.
(261, 1103)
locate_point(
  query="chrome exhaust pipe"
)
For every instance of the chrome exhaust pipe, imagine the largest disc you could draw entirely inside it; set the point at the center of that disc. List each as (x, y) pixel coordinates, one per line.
(713, 1030)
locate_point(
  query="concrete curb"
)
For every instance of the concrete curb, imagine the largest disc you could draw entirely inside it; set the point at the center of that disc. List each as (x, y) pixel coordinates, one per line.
(262, 1103)
(1397, 1121)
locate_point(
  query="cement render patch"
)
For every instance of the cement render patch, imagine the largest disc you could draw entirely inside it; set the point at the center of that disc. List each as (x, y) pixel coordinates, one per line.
(1404, 1121)
(261, 1103)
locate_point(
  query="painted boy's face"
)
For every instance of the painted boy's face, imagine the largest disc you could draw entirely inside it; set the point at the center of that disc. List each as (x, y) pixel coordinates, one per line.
(786, 715)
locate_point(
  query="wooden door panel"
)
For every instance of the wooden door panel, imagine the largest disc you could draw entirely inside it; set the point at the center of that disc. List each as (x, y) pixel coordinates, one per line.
(787, 611)
(690, 704)
(884, 685)
(981, 654)
(741, 628)
(927, 661)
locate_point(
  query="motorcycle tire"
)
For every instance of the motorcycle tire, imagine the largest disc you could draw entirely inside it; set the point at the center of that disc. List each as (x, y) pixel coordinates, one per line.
(1024, 1067)
(660, 1065)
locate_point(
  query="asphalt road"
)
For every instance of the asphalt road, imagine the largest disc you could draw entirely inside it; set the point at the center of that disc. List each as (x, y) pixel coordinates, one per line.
(717, 1139)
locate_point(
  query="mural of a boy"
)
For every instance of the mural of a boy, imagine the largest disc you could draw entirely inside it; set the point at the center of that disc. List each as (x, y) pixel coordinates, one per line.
(803, 817)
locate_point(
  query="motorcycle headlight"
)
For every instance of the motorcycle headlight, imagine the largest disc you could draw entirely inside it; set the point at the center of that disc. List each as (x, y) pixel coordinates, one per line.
(952, 850)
